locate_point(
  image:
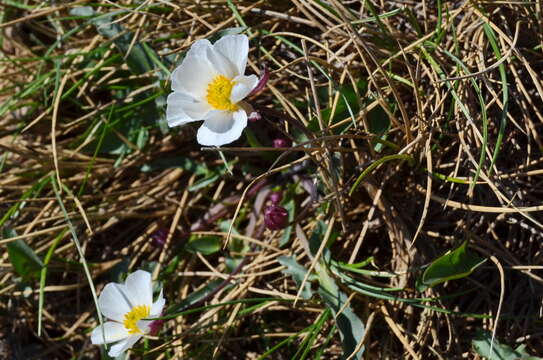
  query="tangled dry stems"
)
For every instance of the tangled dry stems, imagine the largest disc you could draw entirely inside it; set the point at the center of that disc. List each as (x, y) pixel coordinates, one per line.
(437, 77)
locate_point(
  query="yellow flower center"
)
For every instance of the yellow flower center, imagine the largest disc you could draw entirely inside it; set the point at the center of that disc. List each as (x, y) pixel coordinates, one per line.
(218, 93)
(132, 317)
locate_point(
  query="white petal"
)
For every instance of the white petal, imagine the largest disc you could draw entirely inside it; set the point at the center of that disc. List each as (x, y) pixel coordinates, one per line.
(112, 302)
(222, 127)
(112, 331)
(139, 287)
(124, 345)
(222, 64)
(144, 325)
(193, 76)
(219, 121)
(199, 48)
(244, 85)
(182, 109)
(235, 48)
(174, 111)
(158, 305)
(195, 72)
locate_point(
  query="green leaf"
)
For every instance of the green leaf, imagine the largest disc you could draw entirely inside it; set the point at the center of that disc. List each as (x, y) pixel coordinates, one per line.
(203, 183)
(298, 273)
(205, 245)
(185, 163)
(452, 265)
(138, 60)
(481, 344)
(347, 106)
(24, 260)
(142, 137)
(196, 296)
(290, 206)
(351, 328)
(379, 124)
(316, 237)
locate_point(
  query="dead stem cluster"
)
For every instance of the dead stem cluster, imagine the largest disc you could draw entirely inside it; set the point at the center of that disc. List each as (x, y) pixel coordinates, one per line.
(416, 126)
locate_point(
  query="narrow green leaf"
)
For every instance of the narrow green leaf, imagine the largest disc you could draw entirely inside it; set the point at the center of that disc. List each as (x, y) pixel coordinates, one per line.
(203, 183)
(196, 296)
(43, 276)
(505, 93)
(378, 162)
(452, 265)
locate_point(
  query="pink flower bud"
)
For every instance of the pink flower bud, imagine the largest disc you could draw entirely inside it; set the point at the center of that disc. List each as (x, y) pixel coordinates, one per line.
(159, 237)
(155, 327)
(281, 143)
(254, 116)
(275, 217)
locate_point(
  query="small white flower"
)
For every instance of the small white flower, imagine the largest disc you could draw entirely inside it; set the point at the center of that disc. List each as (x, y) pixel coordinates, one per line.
(210, 85)
(127, 305)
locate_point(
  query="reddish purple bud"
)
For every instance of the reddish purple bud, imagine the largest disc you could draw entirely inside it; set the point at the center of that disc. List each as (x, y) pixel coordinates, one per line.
(281, 143)
(275, 217)
(254, 116)
(276, 197)
(155, 326)
(159, 237)
(261, 82)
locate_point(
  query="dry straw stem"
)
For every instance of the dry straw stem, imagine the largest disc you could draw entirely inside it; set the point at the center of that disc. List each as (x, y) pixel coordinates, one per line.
(455, 86)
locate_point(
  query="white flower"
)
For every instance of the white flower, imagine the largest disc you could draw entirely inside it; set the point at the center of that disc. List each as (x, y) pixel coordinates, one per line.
(127, 305)
(210, 85)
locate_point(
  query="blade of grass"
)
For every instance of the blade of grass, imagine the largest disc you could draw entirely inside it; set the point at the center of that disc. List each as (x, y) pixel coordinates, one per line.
(505, 93)
(43, 276)
(77, 244)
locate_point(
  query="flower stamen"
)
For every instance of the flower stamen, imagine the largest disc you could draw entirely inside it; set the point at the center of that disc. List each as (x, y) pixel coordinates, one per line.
(132, 317)
(218, 93)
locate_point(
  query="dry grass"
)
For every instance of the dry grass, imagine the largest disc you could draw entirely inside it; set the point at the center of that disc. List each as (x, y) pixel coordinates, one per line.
(454, 95)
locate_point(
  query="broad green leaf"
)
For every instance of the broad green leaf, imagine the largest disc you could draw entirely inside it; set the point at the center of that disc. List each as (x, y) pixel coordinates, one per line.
(316, 237)
(83, 11)
(137, 60)
(140, 59)
(205, 245)
(290, 206)
(481, 344)
(452, 265)
(24, 260)
(298, 273)
(351, 328)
